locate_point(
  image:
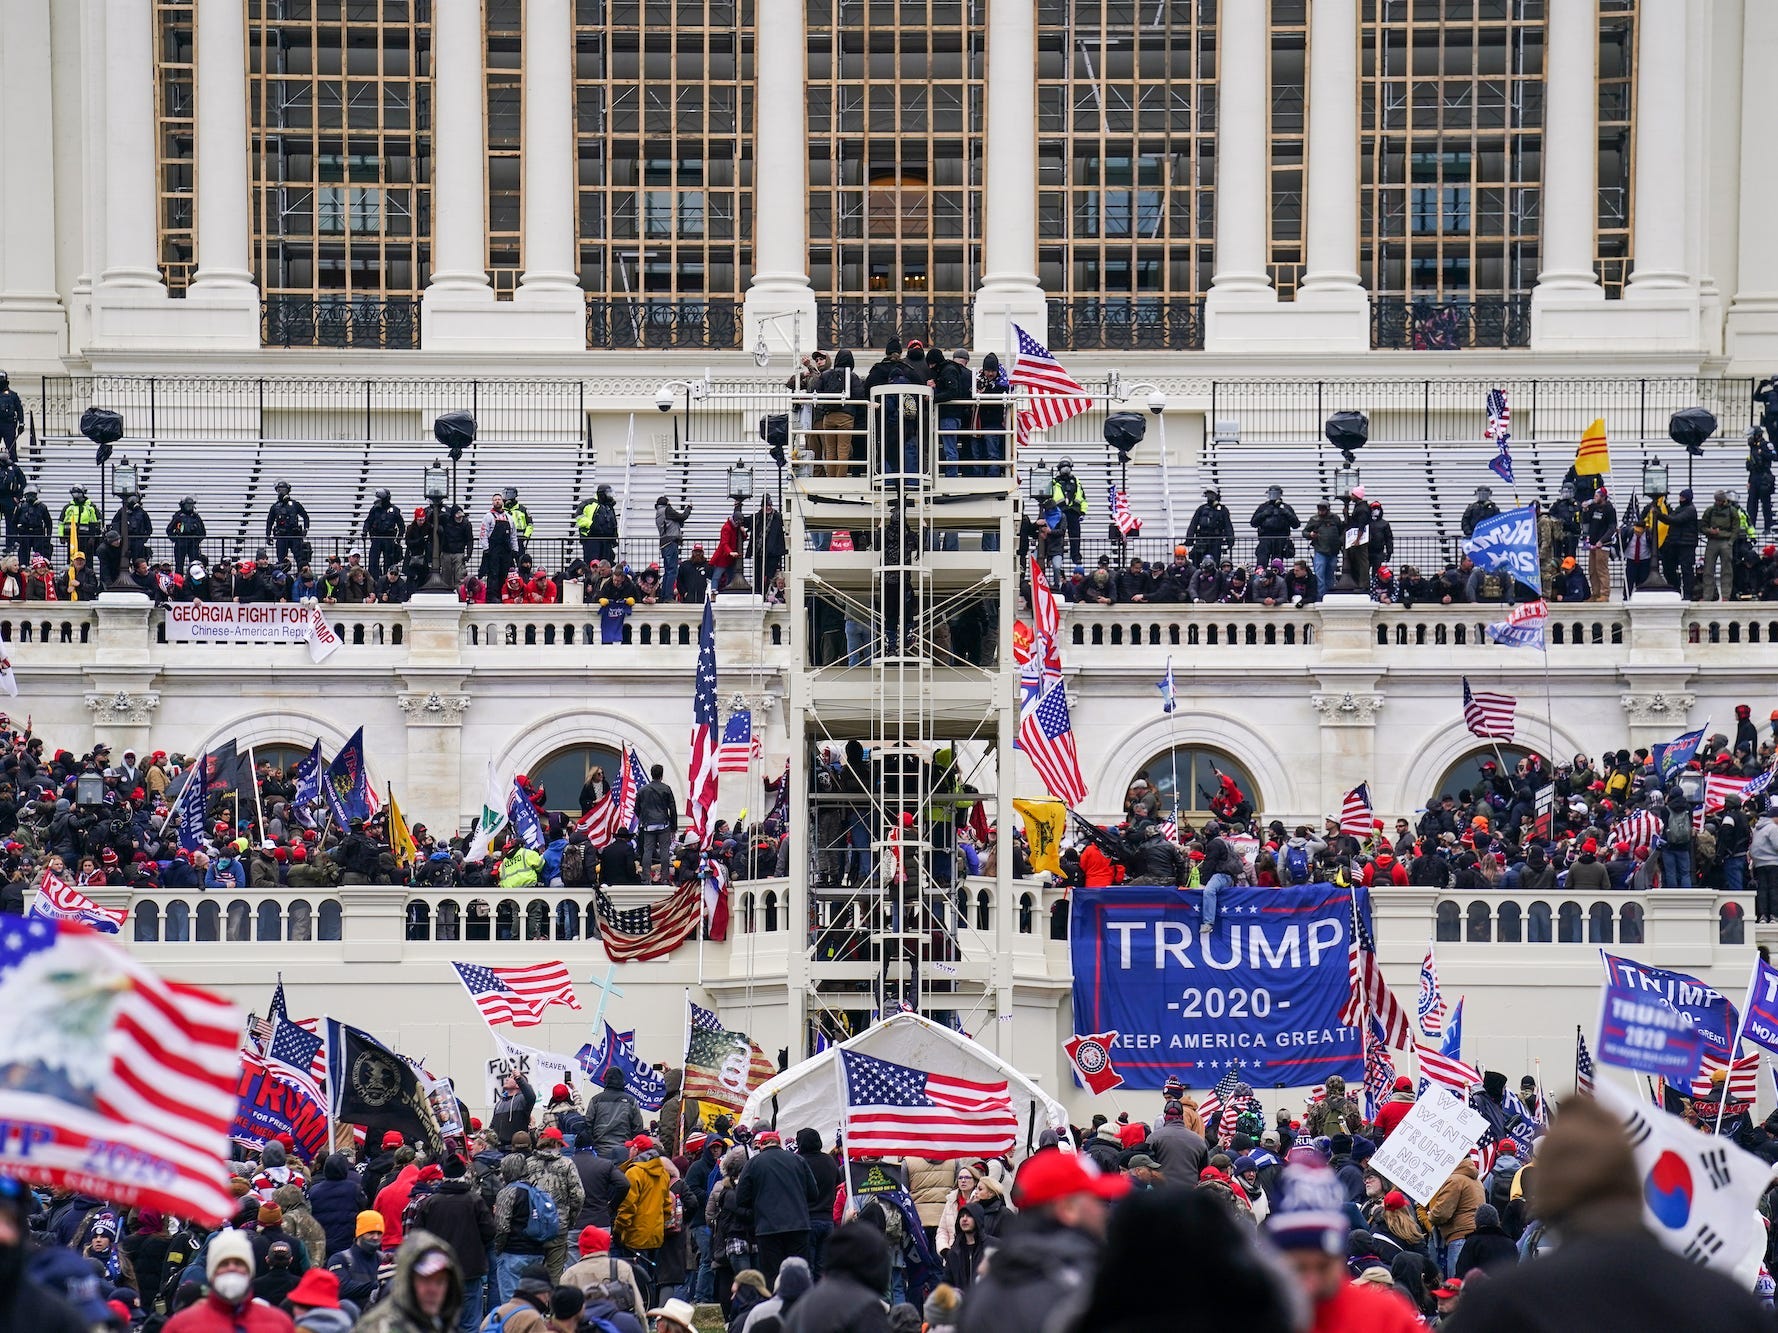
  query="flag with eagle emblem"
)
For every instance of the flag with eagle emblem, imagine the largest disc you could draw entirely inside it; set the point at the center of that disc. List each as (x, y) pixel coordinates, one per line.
(348, 784)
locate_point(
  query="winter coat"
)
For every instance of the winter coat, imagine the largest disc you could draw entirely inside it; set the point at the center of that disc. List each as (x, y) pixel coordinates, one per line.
(778, 1190)
(839, 1303)
(214, 1315)
(603, 1186)
(613, 1119)
(392, 1202)
(675, 1108)
(397, 1312)
(555, 1175)
(641, 1221)
(1180, 1152)
(356, 1268)
(1486, 1247)
(1452, 1208)
(603, 1268)
(1765, 843)
(1033, 1271)
(457, 1214)
(512, 1113)
(336, 1200)
(930, 1184)
(1393, 1111)
(300, 1223)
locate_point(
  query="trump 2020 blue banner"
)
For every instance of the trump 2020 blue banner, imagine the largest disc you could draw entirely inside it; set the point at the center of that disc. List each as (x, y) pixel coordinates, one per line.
(1708, 1008)
(1759, 1017)
(1260, 993)
(1507, 544)
(1641, 1031)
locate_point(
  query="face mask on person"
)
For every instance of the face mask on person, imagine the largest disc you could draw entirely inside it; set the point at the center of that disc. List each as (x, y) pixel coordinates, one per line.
(231, 1286)
(370, 1244)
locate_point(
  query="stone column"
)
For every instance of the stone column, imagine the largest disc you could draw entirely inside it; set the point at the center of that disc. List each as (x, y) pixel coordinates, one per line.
(1009, 291)
(1661, 168)
(1243, 194)
(132, 248)
(1331, 176)
(1570, 188)
(780, 283)
(224, 233)
(1753, 317)
(33, 326)
(551, 279)
(434, 752)
(459, 169)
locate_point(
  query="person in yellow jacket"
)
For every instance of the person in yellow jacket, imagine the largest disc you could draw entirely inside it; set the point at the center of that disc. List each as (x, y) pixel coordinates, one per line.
(80, 518)
(642, 1218)
(520, 867)
(520, 516)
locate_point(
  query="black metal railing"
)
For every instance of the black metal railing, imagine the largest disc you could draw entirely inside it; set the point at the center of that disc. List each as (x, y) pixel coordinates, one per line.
(356, 321)
(1432, 324)
(870, 323)
(682, 322)
(1137, 324)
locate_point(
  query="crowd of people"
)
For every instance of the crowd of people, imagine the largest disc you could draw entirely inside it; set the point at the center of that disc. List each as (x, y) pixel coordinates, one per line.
(576, 1215)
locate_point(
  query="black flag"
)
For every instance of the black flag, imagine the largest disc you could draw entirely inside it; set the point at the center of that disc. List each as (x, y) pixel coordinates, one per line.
(373, 1086)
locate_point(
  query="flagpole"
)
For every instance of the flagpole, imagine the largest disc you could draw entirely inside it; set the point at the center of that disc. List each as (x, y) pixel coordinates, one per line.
(684, 1065)
(258, 808)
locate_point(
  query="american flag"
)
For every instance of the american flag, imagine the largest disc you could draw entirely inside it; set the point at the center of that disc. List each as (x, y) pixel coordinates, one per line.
(714, 1060)
(1583, 1065)
(1639, 828)
(1120, 513)
(702, 777)
(1742, 1080)
(617, 807)
(295, 1052)
(121, 1083)
(1432, 1000)
(1488, 715)
(1046, 731)
(1757, 786)
(1211, 1107)
(1356, 814)
(1052, 394)
(893, 1110)
(740, 747)
(264, 1029)
(1720, 789)
(1379, 1073)
(1446, 1070)
(517, 995)
(1486, 1150)
(1370, 996)
(652, 930)
(59, 900)
(1500, 417)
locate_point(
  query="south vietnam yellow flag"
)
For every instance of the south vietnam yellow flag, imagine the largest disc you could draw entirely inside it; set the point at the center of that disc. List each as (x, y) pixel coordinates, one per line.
(1593, 459)
(401, 837)
(1045, 822)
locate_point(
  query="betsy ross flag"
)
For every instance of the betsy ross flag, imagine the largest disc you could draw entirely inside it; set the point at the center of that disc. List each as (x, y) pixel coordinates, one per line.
(517, 995)
(1046, 731)
(1052, 395)
(1379, 1073)
(893, 1110)
(700, 787)
(1369, 994)
(1583, 1065)
(1210, 1109)
(1356, 815)
(116, 1081)
(1488, 715)
(57, 900)
(1126, 522)
(721, 1066)
(1432, 1000)
(652, 930)
(740, 747)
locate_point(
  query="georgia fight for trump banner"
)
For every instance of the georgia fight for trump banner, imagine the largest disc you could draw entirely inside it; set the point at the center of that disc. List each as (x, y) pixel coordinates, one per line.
(1260, 994)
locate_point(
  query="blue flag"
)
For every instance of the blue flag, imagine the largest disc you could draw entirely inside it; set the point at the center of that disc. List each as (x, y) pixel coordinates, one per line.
(1641, 1031)
(189, 811)
(525, 820)
(348, 784)
(1169, 699)
(642, 1081)
(1709, 1009)
(308, 776)
(1759, 1016)
(1673, 755)
(1529, 635)
(1501, 465)
(1452, 1045)
(1507, 544)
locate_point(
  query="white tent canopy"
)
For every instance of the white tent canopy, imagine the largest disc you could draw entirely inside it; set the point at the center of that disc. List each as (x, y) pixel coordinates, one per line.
(807, 1095)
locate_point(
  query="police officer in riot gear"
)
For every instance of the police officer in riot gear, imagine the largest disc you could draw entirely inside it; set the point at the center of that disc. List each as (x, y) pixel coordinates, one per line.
(12, 416)
(383, 530)
(1482, 509)
(520, 517)
(80, 520)
(1066, 494)
(287, 524)
(186, 528)
(133, 528)
(31, 525)
(1212, 530)
(1274, 521)
(12, 485)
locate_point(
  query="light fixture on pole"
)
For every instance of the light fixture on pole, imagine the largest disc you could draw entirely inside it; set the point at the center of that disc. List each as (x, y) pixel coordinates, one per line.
(1654, 486)
(740, 490)
(123, 485)
(89, 790)
(436, 486)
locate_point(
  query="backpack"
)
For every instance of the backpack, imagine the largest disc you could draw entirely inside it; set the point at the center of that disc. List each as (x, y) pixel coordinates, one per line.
(1679, 829)
(496, 1322)
(1296, 865)
(544, 1224)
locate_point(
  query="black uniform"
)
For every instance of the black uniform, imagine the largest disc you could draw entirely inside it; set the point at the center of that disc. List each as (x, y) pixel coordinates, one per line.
(1212, 531)
(186, 528)
(1274, 521)
(287, 523)
(1478, 512)
(12, 416)
(31, 526)
(1760, 459)
(382, 533)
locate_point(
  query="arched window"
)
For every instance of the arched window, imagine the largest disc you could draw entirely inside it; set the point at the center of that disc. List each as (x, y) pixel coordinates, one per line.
(1059, 919)
(1537, 924)
(1026, 905)
(1629, 924)
(1196, 769)
(148, 921)
(240, 921)
(448, 921)
(209, 921)
(1732, 924)
(1600, 919)
(537, 920)
(746, 913)
(419, 919)
(271, 920)
(984, 911)
(770, 902)
(566, 771)
(1466, 773)
(1568, 918)
(1481, 923)
(567, 920)
(332, 926)
(1508, 923)
(1450, 923)
(480, 923)
(506, 920)
(178, 922)
(301, 920)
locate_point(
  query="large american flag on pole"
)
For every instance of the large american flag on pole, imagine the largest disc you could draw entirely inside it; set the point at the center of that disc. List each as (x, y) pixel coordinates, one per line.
(702, 776)
(1370, 996)
(1583, 1065)
(1046, 730)
(1379, 1073)
(1720, 789)
(1500, 417)
(1210, 1109)
(892, 1110)
(617, 807)
(652, 930)
(517, 995)
(1121, 515)
(740, 743)
(1488, 715)
(1052, 395)
(1446, 1070)
(117, 1082)
(1356, 814)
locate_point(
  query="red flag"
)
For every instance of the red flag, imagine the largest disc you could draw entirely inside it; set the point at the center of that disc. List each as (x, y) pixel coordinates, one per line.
(1091, 1058)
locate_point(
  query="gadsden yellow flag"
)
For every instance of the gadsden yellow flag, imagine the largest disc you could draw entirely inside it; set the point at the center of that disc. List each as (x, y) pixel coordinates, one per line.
(1045, 822)
(1593, 458)
(401, 837)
